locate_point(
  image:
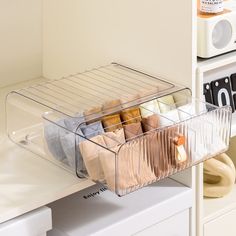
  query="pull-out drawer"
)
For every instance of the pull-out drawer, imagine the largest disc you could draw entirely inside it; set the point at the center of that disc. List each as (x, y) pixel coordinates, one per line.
(117, 126)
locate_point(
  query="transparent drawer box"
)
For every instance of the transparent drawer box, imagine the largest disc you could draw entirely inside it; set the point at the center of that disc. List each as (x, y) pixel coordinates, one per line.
(117, 126)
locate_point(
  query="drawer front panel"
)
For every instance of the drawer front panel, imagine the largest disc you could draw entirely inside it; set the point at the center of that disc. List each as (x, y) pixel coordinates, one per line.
(177, 225)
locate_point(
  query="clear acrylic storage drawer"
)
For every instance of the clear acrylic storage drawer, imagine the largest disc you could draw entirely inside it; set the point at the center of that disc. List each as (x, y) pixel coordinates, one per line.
(117, 126)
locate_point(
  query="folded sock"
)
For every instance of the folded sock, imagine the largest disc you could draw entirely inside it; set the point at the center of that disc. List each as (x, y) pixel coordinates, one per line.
(141, 162)
(70, 141)
(112, 122)
(52, 134)
(149, 108)
(111, 106)
(115, 138)
(150, 122)
(90, 151)
(131, 115)
(132, 130)
(92, 114)
(166, 103)
(106, 158)
(130, 100)
(129, 169)
(92, 129)
(168, 109)
(73, 123)
(121, 178)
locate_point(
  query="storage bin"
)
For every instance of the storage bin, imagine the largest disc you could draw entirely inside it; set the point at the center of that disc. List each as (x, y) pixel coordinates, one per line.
(117, 126)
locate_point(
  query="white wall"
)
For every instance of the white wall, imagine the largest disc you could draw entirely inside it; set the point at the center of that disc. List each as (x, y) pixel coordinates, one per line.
(20, 40)
(153, 35)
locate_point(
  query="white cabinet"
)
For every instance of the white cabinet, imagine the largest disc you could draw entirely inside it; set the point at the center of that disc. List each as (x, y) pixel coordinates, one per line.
(216, 216)
(159, 209)
(35, 223)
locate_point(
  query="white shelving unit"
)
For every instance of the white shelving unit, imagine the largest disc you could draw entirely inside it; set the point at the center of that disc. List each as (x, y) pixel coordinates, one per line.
(215, 68)
(213, 213)
(79, 35)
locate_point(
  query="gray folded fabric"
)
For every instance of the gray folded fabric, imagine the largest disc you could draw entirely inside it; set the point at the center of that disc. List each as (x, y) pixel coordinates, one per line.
(73, 123)
(70, 141)
(64, 144)
(52, 134)
(60, 142)
(92, 129)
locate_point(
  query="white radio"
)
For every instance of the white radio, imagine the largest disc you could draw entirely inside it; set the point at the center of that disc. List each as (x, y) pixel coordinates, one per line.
(217, 32)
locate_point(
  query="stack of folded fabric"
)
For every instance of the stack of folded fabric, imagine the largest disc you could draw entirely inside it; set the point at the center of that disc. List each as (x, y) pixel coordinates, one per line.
(119, 144)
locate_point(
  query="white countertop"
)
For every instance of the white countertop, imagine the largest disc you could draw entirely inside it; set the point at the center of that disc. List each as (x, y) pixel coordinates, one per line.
(27, 181)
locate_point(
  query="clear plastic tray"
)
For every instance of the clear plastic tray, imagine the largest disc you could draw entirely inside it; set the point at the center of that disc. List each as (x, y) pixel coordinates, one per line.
(117, 126)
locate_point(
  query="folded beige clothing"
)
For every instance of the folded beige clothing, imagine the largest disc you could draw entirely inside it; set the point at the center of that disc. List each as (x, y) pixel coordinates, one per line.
(90, 153)
(111, 123)
(130, 168)
(132, 130)
(131, 115)
(149, 108)
(118, 169)
(150, 122)
(129, 100)
(92, 114)
(115, 138)
(111, 106)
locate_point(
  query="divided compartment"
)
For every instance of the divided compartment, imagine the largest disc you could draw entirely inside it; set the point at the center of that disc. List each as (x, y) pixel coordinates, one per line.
(117, 126)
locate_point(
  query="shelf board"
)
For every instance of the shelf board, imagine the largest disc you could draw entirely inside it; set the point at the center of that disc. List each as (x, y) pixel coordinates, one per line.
(204, 65)
(28, 181)
(233, 127)
(216, 207)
